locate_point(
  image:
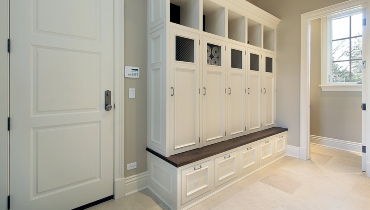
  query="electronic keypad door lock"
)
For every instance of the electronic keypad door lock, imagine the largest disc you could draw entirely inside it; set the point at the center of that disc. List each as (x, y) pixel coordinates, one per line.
(108, 100)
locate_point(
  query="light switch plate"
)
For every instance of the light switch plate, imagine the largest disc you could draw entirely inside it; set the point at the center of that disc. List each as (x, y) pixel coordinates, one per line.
(131, 93)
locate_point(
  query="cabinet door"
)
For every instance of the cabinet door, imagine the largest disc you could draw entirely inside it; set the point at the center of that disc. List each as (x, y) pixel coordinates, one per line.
(249, 158)
(213, 91)
(254, 90)
(267, 150)
(226, 168)
(280, 144)
(236, 90)
(196, 180)
(269, 96)
(184, 91)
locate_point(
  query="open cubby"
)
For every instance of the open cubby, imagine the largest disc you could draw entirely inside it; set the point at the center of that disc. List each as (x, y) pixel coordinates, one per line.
(237, 26)
(213, 18)
(185, 12)
(254, 33)
(268, 38)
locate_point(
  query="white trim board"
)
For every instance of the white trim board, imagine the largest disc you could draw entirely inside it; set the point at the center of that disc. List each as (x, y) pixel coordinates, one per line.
(337, 144)
(136, 183)
(292, 151)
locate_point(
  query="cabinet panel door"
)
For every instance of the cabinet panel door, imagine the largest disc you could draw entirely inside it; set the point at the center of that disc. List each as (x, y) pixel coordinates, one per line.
(196, 180)
(267, 151)
(281, 143)
(249, 158)
(269, 94)
(226, 168)
(236, 90)
(254, 91)
(184, 91)
(213, 91)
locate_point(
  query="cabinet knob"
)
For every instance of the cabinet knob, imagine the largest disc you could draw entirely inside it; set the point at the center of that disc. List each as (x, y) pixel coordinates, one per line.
(200, 167)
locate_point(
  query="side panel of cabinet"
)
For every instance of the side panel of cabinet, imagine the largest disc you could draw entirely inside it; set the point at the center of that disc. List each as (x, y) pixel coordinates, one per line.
(236, 90)
(196, 180)
(156, 12)
(184, 91)
(226, 168)
(213, 95)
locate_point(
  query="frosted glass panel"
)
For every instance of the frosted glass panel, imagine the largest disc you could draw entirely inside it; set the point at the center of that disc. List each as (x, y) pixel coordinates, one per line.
(184, 49)
(254, 62)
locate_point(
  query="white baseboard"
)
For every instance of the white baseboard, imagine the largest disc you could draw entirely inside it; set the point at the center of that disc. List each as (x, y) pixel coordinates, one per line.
(136, 183)
(337, 144)
(292, 151)
(119, 188)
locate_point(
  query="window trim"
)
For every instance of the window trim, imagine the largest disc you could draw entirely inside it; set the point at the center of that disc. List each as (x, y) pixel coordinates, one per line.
(326, 55)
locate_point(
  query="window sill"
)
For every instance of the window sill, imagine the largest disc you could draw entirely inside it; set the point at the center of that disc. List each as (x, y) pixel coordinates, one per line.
(342, 87)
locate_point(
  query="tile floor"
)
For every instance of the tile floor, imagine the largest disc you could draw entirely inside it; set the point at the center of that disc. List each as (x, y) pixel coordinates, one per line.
(332, 179)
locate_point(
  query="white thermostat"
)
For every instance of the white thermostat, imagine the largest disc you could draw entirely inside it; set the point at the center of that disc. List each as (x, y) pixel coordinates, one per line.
(132, 72)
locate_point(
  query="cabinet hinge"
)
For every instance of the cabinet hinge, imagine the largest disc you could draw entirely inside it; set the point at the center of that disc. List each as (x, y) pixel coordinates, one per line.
(8, 45)
(225, 133)
(199, 90)
(114, 106)
(8, 123)
(245, 128)
(225, 48)
(364, 22)
(363, 149)
(8, 202)
(199, 42)
(225, 90)
(363, 107)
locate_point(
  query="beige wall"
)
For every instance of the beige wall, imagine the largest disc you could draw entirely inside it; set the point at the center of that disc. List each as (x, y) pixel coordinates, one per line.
(333, 114)
(288, 57)
(135, 109)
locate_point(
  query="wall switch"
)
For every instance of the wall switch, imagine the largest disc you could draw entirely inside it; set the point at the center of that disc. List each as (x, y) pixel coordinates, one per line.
(131, 166)
(131, 93)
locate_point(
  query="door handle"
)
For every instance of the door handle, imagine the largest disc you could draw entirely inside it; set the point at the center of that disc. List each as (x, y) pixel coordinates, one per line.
(173, 91)
(205, 91)
(249, 92)
(108, 100)
(265, 90)
(229, 91)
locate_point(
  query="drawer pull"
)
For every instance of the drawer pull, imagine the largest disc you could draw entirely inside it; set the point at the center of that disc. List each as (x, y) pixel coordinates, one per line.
(226, 157)
(200, 167)
(250, 148)
(281, 137)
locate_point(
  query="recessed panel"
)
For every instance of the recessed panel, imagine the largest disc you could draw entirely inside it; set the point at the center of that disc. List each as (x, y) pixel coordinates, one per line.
(249, 158)
(226, 168)
(280, 144)
(156, 49)
(196, 181)
(156, 10)
(69, 18)
(156, 106)
(65, 156)
(237, 103)
(269, 103)
(185, 103)
(65, 81)
(254, 102)
(214, 104)
(266, 150)
(162, 178)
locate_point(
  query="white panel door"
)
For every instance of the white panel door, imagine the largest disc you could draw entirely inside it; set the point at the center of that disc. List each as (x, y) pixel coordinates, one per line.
(236, 90)
(213, 91)
(184, 91)
(254, 90)
(269, 91)
(62, 137)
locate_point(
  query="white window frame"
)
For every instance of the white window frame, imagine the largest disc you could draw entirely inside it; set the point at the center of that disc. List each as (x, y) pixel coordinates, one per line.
(326, 55)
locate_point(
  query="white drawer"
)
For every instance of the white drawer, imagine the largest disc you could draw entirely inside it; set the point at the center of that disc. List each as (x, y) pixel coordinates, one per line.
(196, 180)
(267, 150)
(280, 144)
(226, 168)
(249, 158)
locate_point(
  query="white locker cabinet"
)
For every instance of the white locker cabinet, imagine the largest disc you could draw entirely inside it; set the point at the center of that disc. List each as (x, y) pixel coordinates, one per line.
(269, 91)
(236, 90)
(196, 180)
(249, 158)
(226, 168)
(267, 150)
(255, 90)
(184, 91)
(281, 144)
(213, 95)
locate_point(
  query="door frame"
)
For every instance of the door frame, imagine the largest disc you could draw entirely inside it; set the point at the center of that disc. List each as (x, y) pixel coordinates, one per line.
(4, 104)
(306, 18)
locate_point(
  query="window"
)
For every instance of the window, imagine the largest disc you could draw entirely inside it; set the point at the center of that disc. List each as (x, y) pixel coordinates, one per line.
(346, 49)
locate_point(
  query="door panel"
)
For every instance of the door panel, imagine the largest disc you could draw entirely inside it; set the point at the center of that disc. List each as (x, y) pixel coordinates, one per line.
(267, 150)
(184, 91)
(62, 137)
(255, 90)
(249, 158)
(269, 95)
(226, 168)
(213, 91)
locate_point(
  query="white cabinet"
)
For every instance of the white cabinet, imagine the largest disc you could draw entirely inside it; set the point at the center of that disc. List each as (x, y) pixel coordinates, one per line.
(236, 90)
(226, 168)
(267, 150)
(213, 95)
(269, 91)
(281, 144)
(196, 180)
(184, 91)
(249, 158)
(255, 90)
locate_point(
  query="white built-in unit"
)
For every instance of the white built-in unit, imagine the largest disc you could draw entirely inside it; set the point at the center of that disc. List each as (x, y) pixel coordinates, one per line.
(211, 72)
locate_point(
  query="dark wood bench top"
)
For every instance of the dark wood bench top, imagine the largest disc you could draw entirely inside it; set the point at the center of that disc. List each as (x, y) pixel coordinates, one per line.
(191, 156)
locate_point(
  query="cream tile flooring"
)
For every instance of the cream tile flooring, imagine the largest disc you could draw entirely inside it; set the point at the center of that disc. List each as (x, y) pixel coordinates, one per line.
(332, 179)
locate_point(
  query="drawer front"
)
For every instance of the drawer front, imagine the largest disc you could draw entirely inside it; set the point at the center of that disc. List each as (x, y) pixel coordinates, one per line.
(196, 180)
(249, 158)
(267, 150)
(281, 143)
(226, 168)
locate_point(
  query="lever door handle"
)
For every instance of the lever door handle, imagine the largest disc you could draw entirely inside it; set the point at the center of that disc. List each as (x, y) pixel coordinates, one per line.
(108, 100)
